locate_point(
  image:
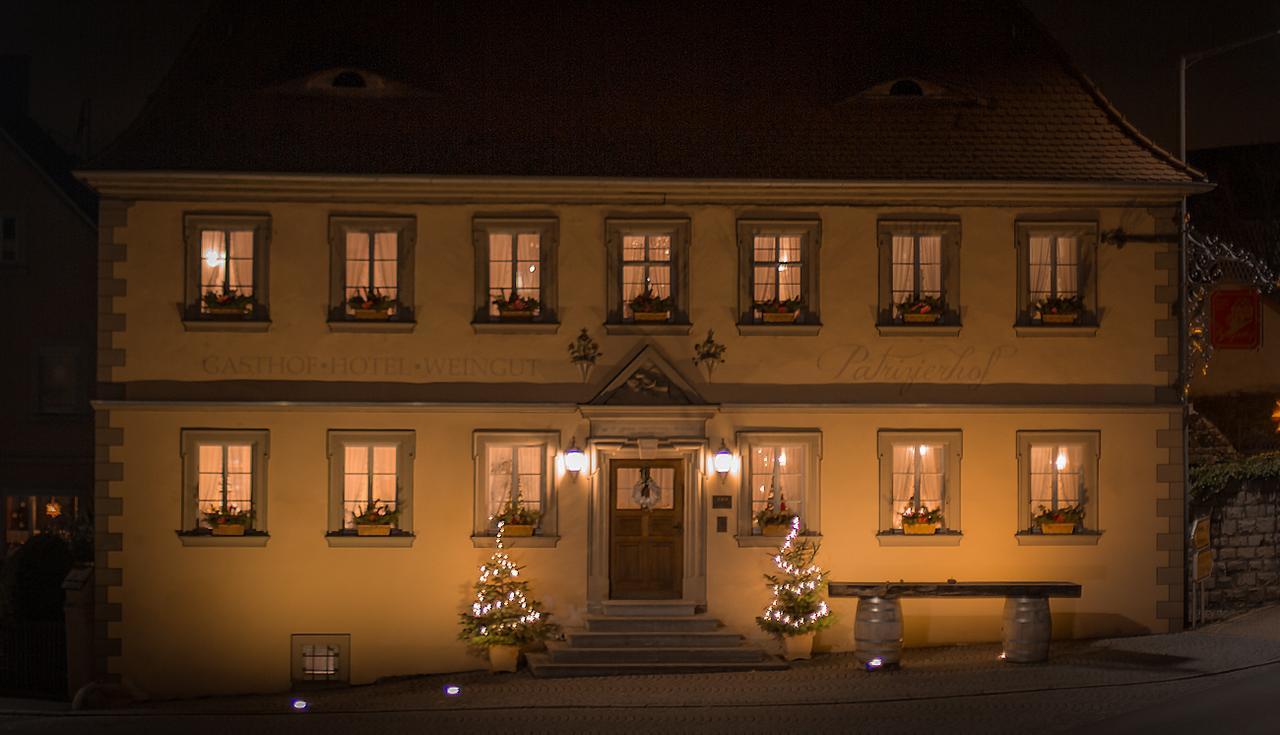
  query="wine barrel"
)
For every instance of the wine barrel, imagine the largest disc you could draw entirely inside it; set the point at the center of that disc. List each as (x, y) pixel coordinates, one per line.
(877, 630)
(1026, 629)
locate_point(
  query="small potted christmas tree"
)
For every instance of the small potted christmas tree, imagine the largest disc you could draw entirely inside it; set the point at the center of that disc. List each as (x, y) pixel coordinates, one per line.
(797, 611)
(502, 618)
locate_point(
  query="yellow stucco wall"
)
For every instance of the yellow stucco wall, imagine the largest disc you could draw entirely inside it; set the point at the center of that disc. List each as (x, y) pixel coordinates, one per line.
(443, 347)
(198, 620)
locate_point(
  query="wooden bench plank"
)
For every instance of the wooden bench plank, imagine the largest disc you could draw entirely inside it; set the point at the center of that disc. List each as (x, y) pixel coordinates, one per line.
(953, 589)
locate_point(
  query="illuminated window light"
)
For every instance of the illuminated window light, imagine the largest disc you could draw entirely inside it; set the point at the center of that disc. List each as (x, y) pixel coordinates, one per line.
(1061, 461)
(214, 258)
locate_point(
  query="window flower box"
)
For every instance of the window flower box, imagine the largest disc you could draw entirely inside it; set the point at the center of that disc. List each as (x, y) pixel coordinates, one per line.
(372, 306)
(779, 317)
(1059, 521)
(652, 316)
(228, 529)
(373, 529)
(1065, 318)
(1058, 529)
(508, 315)
(779, 312)
(775, 529)
(921, 521)
(647, 306)
(921, 318)
(517, 529)
(922, 310)
(227, 303)
(375, 519)
(1058, 309)
(516, 307)
(227, 521)
(919, 529)
(372, 314)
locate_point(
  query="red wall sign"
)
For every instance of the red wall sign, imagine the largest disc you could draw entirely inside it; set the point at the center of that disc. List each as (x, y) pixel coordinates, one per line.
(1235, 319)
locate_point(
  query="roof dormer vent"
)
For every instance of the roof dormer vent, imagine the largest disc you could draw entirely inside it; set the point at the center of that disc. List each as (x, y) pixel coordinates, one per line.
(906, 88)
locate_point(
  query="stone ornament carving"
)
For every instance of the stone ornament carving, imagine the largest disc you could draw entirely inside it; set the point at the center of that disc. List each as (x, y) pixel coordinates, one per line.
(708, 353)
(584, 352)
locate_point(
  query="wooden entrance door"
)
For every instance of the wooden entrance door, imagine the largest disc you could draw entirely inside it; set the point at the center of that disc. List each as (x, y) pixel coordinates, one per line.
(646, 535)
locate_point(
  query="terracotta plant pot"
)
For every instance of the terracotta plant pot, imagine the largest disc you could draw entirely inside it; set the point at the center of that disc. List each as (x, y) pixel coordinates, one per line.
(795, 647)
(775, 529)
(922, 318)
(919, 529)
(779, 317)
(652, 316)
(372, 314)
(373, 529)
(504, 658)
(228, 529)
(1069, 318)
(1057, 529)
(514, 316)
(517, 529)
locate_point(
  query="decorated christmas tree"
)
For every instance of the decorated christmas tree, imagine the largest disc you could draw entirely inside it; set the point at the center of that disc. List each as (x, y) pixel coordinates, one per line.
(502, 613)
(797, 607)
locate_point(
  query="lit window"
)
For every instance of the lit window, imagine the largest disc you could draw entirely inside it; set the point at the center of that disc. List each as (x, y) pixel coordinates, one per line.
(1057, 279)
(1058, 482)
(515, 272)
(919, 272)
(370, 486)
(225, 473)
(226, 267)
(779, 481)
(515, 482)
(920, 475)
(648, 272)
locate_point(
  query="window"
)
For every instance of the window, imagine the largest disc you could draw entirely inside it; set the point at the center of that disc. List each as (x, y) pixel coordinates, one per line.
(371, 278)
(10, 247)
(371, 483)
(779, 468)
(919, 272)
(225, 473)
(320, 659)
(515, 469)
(515, 264)
(1057, 273)
(1056, 471)
(650, 259)
(919, 469)
(778, 272)
(61, 387)
(227, 267)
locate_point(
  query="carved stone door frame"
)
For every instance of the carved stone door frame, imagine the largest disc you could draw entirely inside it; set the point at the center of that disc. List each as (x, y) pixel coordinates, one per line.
(692, 450)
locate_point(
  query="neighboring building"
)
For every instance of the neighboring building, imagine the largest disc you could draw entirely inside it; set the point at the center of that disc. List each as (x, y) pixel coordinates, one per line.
(446, 156)
(48, 267)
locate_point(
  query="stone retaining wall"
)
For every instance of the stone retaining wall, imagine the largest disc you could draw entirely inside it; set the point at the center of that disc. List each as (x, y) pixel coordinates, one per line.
(1245, 539)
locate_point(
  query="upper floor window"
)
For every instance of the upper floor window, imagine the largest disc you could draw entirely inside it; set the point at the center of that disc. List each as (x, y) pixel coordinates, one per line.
(919, 272)
(1058, 482)
(515, 474)
(1057, 273)
(372, 274)
(780, 481)
(10, 246)
(371, 483)
(61, 386)
(227, 267)
(515, 270)
(919, 482)
(648, 271)
(225, 482)
(779, 271)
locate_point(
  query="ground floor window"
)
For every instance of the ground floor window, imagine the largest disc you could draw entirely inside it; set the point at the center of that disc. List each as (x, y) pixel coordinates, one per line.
(1058, 482)
(919, 482)
(225, 477)
(371, 483)
(779, 481)
(318, 659)
(515, 481)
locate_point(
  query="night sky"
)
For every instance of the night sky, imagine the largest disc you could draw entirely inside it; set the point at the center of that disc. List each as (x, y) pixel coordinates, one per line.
(115, 52)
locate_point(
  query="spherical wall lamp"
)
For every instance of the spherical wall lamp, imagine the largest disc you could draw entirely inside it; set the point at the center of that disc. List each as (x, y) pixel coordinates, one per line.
(722, 461)
(575, 460)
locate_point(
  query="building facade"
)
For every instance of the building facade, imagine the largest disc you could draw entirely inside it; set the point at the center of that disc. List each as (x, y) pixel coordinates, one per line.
(306, 333)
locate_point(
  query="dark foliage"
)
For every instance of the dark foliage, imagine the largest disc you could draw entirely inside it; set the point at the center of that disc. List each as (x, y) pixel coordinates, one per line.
(31, 582)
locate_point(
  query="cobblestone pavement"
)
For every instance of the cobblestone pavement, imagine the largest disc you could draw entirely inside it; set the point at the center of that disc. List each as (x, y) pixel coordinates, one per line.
(1129, 681)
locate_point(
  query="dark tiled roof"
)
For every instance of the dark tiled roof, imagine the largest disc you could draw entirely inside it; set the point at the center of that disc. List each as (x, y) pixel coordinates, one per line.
(638, 90)
(52, 160)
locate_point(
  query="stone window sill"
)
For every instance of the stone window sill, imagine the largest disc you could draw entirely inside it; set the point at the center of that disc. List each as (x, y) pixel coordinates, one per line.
(530, 327)
(759, 541)
(226, 325)
(351, 540)
(941, 538)
(918, 330)
(1085, 538)
(659, 328)
(371, 325)
(537, 541)
(778, 330)
(1051, 330)
(207, 539)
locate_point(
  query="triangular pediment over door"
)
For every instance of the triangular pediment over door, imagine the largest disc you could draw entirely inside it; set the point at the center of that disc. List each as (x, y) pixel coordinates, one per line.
(648, 379)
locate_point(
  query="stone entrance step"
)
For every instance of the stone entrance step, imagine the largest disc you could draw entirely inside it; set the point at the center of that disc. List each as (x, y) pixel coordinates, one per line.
(650, 637)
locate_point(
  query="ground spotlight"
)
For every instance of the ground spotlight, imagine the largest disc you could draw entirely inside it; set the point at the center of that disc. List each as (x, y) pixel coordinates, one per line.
(452, 690)
(299, 705)
(875, 664)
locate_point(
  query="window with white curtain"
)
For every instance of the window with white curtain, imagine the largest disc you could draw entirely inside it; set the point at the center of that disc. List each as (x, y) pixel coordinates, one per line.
(778, 262)
(224, 471)
(226, 262)
(1057, 470)
(777, 468)
(919, 259)
(519, 466)
(372, 261)
(1057, 260)
(370, 467)
(515, 266)
(919, 469)
(777, 267)
(647, 255)
(515, 474)
(515, 257)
